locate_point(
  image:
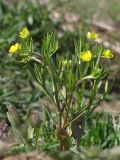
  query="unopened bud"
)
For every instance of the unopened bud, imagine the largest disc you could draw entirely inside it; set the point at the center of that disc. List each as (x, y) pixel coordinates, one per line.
(35, 120)
(13, 116)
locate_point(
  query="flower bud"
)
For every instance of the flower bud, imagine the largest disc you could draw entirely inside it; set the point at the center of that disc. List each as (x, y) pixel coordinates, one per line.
(34, 118)
(13, 116)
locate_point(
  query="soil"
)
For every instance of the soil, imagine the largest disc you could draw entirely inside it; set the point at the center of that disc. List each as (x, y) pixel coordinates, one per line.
(28, 156)
(112, 107)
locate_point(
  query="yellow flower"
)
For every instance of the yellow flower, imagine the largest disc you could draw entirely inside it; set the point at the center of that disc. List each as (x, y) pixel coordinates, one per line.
(24, 33)
(14, 48)
(66, 62)
(107, 54)
(92, 35)
(86, 56)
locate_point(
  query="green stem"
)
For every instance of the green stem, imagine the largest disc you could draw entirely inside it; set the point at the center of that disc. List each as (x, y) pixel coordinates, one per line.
(71, 121)
(37, 133)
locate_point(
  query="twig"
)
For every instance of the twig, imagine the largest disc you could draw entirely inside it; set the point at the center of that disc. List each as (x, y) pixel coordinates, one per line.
(103, 26)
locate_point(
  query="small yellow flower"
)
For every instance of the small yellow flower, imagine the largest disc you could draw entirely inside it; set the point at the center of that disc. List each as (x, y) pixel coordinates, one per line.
(92, 35)
(14, 48)
(107, 54)
(24, 33)
(66, 62)
(86, 56)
